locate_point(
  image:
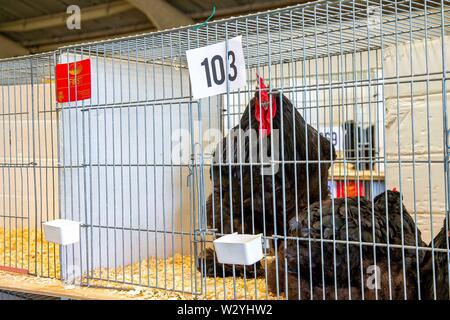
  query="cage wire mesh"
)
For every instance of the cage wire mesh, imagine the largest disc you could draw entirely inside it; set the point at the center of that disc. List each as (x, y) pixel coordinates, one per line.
(29, 164)
(354, 196)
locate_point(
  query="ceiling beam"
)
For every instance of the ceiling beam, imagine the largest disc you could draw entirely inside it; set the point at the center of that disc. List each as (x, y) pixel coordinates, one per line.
(162, 14)
(59, 19)
(10, 48)
(112, 8)
(48, 44)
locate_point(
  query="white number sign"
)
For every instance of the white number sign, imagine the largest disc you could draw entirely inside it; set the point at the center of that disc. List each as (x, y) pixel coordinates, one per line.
(334, 134)
(208, 68)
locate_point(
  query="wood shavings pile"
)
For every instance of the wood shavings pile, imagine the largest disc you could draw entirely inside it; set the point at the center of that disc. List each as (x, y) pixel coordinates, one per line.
(175, 274)
(28, 250)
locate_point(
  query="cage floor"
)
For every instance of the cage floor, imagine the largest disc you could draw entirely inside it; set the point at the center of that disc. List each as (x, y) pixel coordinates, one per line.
(174, 277)
(175, 274)
(27, 250)
(23, 249)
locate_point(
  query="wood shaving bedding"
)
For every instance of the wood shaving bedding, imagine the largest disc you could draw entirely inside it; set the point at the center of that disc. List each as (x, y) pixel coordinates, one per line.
(18, 249)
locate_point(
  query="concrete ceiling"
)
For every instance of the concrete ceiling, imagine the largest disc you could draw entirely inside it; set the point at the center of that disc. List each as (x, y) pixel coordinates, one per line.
(30, 26)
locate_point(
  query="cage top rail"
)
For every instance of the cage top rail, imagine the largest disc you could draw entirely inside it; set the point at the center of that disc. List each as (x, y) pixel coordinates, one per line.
(349, 9)
(312, 29)
(296, 33)
(301, 32)
(30, 69)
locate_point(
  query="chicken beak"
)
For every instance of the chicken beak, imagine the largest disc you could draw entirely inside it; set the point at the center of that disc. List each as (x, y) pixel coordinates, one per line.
(265, 105)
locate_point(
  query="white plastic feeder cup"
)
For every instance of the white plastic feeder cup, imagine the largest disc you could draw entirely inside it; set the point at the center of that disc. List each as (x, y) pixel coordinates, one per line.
(244, 249)
(62, 231)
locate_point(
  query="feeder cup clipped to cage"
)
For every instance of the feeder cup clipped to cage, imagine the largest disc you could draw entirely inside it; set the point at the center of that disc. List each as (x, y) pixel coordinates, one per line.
(62, 231)
(243, 249)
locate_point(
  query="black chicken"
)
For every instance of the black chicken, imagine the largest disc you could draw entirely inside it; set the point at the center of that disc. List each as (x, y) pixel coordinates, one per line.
(440, 285)
(258, 205)
(343, 265)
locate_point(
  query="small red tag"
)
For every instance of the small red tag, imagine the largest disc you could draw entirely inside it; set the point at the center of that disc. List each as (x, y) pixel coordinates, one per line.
(349, 189)
(15, 270)
(73, 81)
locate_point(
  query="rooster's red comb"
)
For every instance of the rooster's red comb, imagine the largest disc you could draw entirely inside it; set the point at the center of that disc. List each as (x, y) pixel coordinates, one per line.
(261, 83)
(263, 93)
(265, 107)
(394, 189)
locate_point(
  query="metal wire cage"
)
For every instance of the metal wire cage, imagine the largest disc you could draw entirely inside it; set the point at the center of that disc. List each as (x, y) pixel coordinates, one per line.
(138, 162)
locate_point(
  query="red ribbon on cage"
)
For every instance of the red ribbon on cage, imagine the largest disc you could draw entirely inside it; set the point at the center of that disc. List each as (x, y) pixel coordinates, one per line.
(73, 81)
(263, 109)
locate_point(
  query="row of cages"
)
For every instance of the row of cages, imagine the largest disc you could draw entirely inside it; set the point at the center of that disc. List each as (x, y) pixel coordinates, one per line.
(348, 186)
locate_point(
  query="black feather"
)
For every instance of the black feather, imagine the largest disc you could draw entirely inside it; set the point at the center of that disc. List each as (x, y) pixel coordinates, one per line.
(257, 204)
(440, 285)
(342, 266)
